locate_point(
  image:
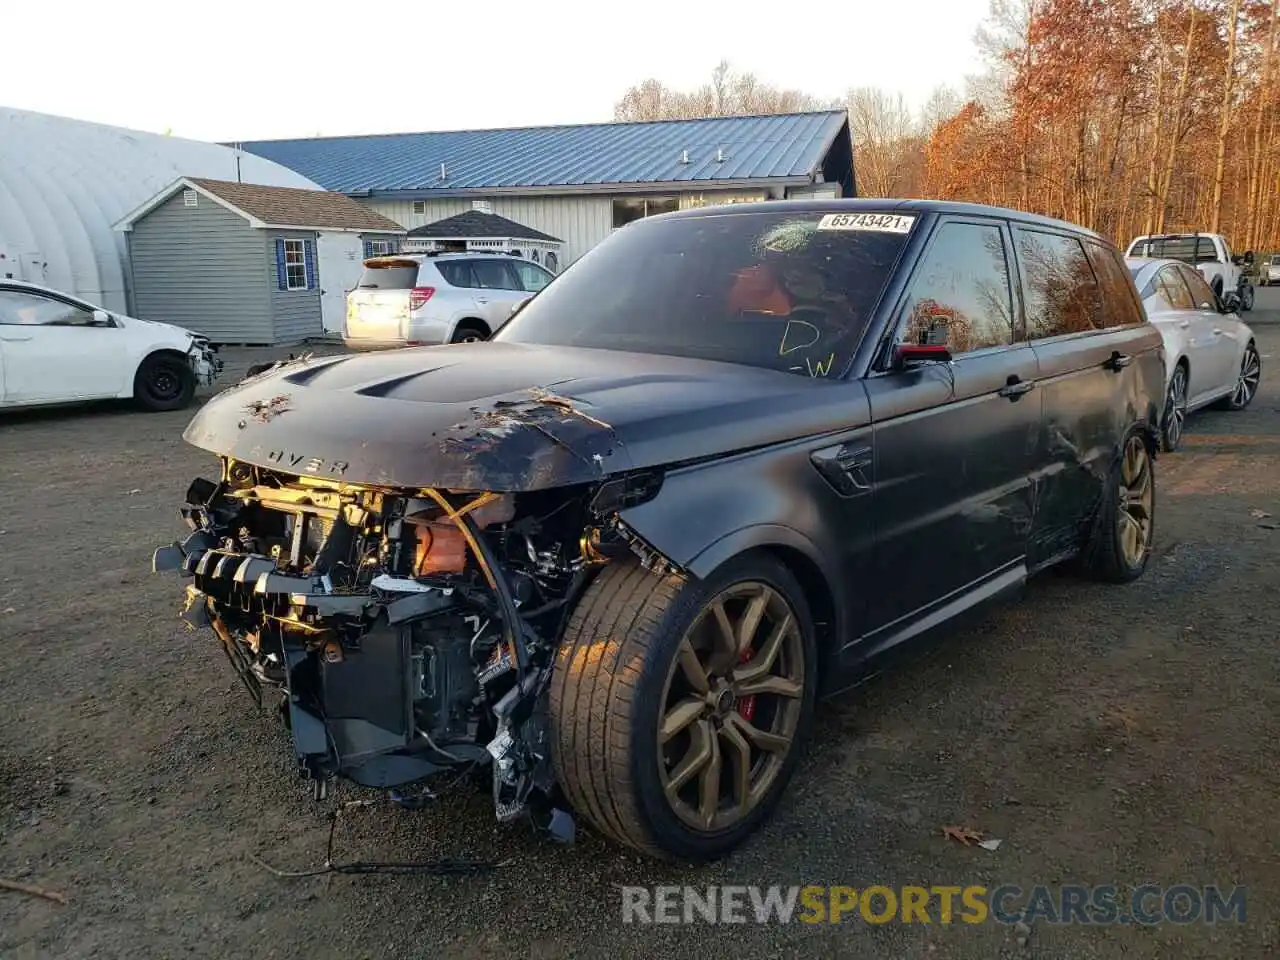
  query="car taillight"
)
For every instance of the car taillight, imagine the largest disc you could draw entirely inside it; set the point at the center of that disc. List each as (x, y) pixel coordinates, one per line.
(420, 295)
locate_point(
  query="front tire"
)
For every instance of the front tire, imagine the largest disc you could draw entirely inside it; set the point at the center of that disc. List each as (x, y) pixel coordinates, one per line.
(679, 707)
(1123, 530)
(164, 383)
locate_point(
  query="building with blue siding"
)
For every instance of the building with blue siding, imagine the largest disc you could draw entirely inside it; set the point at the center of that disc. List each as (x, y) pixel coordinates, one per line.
(245, 263)
(579, 183)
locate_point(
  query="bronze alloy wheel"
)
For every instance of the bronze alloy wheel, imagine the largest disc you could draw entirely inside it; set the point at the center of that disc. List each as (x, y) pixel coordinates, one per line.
(1137, 499)
(731, 706)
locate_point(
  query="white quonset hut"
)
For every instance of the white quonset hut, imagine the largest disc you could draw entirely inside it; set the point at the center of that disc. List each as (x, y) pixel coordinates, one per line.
(65, 183)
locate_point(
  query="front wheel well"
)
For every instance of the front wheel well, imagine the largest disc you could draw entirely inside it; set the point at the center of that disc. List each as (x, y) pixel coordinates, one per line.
(167, 352)
(817, 594)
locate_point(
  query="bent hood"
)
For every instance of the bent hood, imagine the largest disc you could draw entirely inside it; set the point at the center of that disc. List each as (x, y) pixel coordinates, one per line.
(506, 417)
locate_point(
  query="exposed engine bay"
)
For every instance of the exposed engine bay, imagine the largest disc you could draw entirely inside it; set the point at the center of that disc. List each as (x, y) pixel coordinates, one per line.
(401, 634)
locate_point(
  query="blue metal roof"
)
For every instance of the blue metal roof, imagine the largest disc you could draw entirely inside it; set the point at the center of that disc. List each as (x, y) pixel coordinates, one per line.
(790, 146)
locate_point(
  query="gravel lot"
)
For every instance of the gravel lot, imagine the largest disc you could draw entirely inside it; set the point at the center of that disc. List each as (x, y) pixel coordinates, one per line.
(1106, 734)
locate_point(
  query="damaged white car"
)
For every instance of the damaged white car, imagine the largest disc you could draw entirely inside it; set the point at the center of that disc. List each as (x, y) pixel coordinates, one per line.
(55, 348)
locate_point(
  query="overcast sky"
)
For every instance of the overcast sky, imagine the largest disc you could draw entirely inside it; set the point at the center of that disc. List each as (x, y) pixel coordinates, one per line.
(235, 70)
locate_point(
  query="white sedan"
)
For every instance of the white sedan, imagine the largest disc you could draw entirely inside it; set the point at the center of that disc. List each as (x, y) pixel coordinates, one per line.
(55, 348)
(1211, 354)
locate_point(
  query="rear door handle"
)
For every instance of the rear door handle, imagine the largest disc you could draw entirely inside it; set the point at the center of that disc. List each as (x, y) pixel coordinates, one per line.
(1217, 331)
(1117, 361)
(12, 339)
(1184, 324)
(1016, 387)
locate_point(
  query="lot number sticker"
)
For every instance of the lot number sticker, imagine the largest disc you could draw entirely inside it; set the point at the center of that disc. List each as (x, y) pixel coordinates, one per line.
(877, 222)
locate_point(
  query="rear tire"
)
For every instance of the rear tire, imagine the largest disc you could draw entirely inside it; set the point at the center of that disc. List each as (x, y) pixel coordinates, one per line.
(469, 331)
(164, 382)
(1246, 297)
(1123, 531)
(1248, 379)
(1175, 409)
(676, 724)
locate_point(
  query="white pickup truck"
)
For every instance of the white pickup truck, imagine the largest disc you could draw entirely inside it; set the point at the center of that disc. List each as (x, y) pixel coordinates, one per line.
(1207, 252)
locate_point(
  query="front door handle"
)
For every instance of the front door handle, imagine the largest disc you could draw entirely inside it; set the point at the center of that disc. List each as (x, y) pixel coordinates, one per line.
(1217, 331)
(1184, 324)
(12, 339)
(1117, 361)
(1015, 387)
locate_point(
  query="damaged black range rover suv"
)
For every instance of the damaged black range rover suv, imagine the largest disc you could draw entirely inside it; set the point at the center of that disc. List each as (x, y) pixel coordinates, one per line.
(610, 558)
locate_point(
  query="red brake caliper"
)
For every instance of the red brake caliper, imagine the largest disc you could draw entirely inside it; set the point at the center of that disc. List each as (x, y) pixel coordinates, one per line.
(747, 705)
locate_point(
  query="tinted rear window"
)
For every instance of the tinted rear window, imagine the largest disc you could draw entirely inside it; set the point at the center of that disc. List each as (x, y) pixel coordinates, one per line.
(1119, 307)
(1186, 249)
(457, 273)
(393, 275)
(787, 291)
(1059, 286)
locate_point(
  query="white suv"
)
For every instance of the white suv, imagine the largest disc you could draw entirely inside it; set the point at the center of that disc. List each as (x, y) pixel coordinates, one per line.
(413, 299)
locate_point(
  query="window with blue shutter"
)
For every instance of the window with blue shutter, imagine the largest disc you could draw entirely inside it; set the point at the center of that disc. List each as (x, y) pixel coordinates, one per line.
(297, 264)
(310, 254)
(282, 277)
(368, 249)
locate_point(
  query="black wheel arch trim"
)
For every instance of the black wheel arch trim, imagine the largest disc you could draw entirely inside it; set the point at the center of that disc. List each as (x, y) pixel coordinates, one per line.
(702, 561)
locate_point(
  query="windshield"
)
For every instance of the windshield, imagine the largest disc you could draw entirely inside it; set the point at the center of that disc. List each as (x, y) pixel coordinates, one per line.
(786, 291)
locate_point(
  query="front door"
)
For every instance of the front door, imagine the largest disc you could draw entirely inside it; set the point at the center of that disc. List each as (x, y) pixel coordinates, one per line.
(955, 443)
(340, 259)
(57, 350)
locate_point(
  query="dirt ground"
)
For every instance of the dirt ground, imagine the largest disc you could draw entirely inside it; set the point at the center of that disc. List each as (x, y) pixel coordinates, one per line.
(1106, 734)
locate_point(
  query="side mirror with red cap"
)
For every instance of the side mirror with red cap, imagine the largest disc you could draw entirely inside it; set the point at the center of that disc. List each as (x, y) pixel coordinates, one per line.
(911, 354)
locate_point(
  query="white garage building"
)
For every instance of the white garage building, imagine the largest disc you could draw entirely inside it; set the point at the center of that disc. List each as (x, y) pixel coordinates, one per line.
(65, 183)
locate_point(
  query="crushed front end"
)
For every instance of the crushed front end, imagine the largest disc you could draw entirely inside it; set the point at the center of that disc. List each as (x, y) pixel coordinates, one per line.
(204, 360)
(401, 633)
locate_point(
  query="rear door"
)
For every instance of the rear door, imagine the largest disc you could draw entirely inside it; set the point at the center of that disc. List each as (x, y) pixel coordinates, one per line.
(1091, 336)
(1179, 309)
(54, 349)
(955, 444)
(1219, 348)
(378, 308)
(498, 289)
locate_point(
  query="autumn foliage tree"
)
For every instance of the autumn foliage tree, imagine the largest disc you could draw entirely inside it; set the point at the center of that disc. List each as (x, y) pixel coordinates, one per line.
(1126, 116)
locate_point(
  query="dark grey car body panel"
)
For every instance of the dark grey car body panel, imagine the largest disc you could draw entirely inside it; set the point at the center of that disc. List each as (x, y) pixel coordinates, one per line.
(900, 497)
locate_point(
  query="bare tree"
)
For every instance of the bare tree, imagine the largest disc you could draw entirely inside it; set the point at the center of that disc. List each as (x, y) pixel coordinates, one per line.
(1224, 129)
(727, 94)
(884, 134)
